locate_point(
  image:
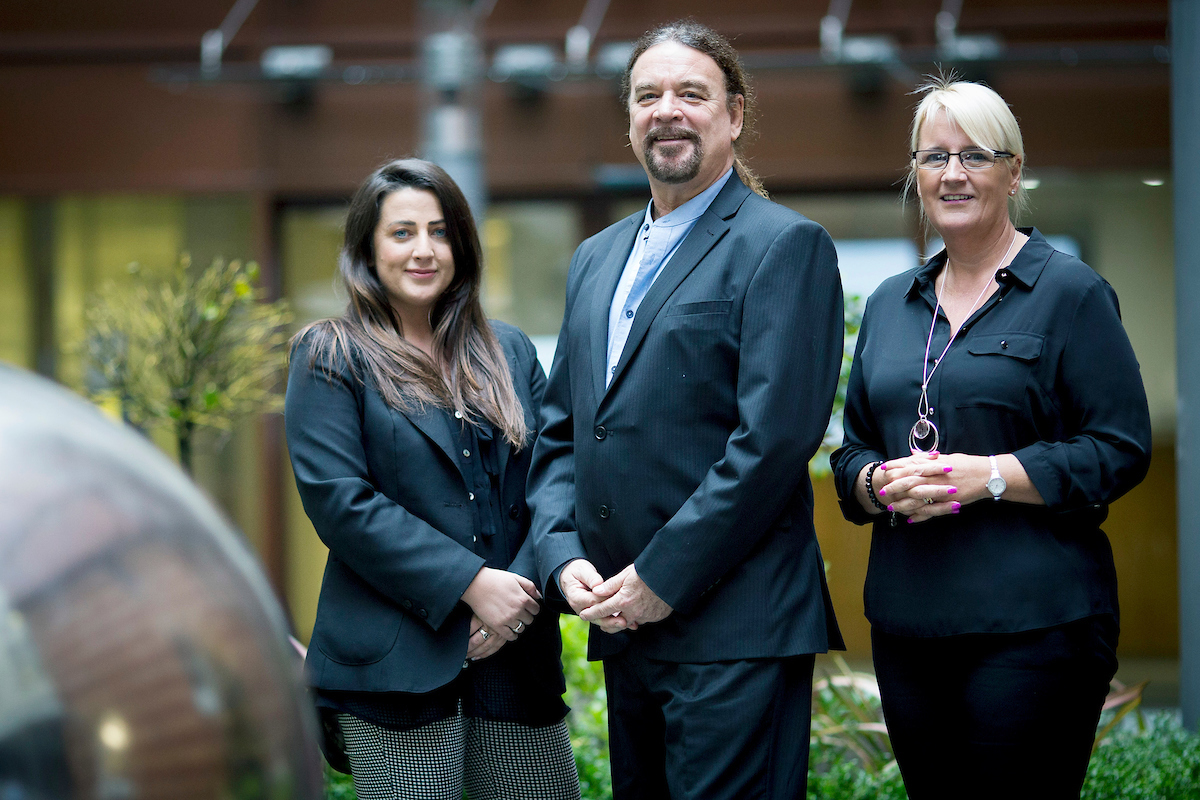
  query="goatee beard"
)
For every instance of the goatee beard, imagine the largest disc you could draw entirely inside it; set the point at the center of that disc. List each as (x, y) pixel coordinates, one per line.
(665, 171)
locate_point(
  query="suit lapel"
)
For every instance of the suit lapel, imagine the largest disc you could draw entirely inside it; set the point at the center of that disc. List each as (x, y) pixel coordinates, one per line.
(708, 230)
(607, 278)
(432, 422)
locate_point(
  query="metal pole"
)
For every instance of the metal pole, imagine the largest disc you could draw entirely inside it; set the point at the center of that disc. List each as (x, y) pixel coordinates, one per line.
(1185, 140)
(451, 73)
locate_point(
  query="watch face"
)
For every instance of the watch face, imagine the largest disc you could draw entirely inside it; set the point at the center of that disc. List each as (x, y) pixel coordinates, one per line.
(996, 486)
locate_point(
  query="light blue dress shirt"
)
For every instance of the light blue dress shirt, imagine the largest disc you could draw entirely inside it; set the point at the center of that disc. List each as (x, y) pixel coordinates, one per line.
(656, 242)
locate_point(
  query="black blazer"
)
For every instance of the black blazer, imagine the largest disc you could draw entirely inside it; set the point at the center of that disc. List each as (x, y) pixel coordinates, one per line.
(387, 493)
(693, 463)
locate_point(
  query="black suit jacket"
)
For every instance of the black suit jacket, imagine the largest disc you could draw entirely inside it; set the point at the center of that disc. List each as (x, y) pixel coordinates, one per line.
(387, 493)
(693, 463)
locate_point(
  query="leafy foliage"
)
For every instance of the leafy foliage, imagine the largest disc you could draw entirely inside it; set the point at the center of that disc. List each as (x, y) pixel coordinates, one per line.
(1161, 762)
(588, 720)
(847, 723)
(197, 349)
(852, 319)
(338, 786)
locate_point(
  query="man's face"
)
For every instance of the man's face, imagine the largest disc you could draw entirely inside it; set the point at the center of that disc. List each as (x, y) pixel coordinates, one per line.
(681, 124)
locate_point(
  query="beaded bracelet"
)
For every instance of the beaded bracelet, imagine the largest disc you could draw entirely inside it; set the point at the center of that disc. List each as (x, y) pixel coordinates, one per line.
(874, 465)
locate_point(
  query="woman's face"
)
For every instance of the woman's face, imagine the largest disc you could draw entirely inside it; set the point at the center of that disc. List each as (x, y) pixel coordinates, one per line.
(963, 200)
(413, 257)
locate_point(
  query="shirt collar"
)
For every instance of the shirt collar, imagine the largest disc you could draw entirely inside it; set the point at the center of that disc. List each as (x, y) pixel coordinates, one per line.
(691, 210)
(1025, 269)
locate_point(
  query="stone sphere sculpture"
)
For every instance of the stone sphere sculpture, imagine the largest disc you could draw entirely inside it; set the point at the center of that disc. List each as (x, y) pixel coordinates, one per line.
(142, 653)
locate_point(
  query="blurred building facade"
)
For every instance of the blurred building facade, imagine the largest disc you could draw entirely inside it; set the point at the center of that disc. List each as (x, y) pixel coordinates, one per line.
(117, 144)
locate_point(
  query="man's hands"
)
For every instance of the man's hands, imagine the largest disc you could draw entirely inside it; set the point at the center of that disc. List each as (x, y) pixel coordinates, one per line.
(623, 602)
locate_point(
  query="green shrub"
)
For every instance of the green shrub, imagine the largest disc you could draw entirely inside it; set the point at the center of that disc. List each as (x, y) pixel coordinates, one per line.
(338, 786)
(588, 720)
(1160, 763)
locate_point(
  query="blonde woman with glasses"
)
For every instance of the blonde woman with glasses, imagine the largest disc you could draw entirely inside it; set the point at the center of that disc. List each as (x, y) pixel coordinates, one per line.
(995, 408)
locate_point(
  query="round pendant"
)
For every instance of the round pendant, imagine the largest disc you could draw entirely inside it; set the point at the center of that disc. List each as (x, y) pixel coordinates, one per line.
(919, 436)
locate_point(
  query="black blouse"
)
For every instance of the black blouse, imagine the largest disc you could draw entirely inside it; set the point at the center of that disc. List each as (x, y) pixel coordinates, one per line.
(1044, 371)
(495, 688)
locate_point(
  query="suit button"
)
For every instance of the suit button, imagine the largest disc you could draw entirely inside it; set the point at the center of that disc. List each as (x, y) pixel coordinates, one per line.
(1003, 345)
(604, 512)
(407, 604)
(423, 613)
(470, 495)
(514, 511)
(466, 453)
(601, 432)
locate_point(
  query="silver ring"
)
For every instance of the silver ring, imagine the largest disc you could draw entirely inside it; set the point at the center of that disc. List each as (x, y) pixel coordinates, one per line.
(520, 627)
(484, 633)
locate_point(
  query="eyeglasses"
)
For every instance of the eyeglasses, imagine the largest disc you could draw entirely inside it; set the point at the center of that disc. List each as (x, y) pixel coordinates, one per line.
(977, 158)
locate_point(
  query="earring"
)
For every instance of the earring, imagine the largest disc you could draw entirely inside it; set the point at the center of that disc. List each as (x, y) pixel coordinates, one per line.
(1012, 192)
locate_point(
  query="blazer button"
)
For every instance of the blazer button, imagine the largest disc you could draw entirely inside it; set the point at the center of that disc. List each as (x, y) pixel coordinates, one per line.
(514, 511)
(601, 432)
(407, 604)
(466, 453)
(423, 613)
(604, 512)
(470, 495)
(1003, 345)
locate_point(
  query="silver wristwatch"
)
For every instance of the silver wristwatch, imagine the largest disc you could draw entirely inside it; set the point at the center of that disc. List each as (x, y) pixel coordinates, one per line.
(995, 484)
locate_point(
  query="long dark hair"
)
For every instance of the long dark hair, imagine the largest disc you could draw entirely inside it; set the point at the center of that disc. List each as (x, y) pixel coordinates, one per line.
(690, 33)
(467, 371)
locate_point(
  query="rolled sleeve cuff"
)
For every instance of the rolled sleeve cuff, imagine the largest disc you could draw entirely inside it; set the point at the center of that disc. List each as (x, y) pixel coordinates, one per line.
(844, 480)
(1039, 461)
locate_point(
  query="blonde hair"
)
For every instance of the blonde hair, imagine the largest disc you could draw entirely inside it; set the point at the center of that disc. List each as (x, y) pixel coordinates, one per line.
(983, 116)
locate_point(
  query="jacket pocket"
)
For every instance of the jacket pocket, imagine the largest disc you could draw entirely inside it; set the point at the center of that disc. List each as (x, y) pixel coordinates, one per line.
(702, 307)
(355, 624)
(704, 315)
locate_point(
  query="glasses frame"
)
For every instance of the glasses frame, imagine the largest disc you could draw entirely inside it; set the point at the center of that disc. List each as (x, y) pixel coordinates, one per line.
(996, 154)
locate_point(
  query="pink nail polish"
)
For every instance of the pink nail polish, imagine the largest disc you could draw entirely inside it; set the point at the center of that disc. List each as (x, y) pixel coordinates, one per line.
(947, 469)
(883, 467)
(891, 509)
(934, 453)
(956, 507)
(882, 492)
(952, 490)
(910, 522)
(955, 510)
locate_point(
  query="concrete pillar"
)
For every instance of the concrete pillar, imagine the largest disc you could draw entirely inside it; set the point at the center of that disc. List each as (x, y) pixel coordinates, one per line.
(451, 73)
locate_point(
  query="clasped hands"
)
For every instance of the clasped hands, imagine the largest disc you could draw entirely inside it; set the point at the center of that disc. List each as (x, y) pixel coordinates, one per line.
(503, 604)
(623, 602)
(927, 485)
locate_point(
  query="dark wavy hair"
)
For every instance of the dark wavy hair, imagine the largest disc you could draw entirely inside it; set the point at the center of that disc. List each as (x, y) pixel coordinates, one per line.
(690, 33)
(467, 371)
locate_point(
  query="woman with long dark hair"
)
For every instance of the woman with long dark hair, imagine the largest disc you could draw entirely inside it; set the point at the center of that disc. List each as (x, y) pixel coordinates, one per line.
(409, 424)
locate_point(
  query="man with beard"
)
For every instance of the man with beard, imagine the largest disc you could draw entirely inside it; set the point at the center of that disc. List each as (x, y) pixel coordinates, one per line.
(693, 380)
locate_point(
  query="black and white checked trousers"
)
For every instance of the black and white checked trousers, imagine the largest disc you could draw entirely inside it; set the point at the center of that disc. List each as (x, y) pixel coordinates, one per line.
(492, 760)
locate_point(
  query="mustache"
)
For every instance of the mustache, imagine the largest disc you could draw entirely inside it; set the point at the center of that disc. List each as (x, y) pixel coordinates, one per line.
(669, 132)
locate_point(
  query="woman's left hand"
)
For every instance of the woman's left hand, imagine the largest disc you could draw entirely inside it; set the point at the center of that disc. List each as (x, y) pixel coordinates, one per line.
(483, 643)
